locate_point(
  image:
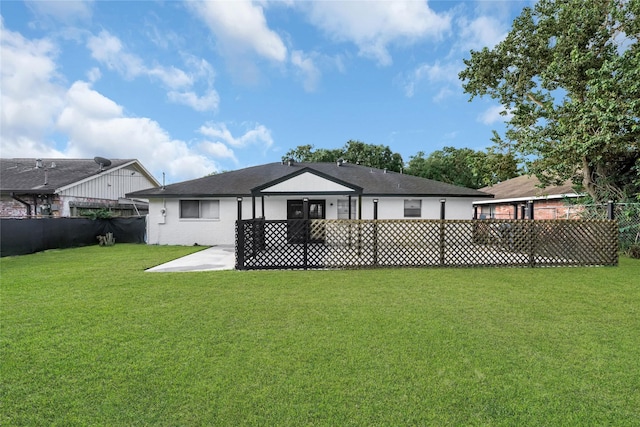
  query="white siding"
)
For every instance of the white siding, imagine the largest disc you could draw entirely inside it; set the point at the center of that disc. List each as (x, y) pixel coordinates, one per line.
(110, 185)
(307, 182)
(169, 229)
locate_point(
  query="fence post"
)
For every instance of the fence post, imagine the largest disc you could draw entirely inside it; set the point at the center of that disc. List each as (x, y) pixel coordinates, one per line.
(375, 231)
(240, 245)
(610, 210)
(442, 234)
(305, 232)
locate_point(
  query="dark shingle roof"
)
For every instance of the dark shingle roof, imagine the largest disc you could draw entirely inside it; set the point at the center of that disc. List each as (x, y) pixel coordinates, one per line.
(526, 186)
(22, 175)
(374, 182)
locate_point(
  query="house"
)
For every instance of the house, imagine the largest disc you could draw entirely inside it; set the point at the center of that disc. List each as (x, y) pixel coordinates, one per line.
(203, 211)
(69, 187)
(512, 196)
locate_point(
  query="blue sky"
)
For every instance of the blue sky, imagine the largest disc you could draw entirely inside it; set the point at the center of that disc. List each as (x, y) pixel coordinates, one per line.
(190, 88)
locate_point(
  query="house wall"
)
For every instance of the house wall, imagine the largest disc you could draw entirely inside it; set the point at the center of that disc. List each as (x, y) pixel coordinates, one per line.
(110, 185)
(170, 229)
(542, 209)
(11, 208)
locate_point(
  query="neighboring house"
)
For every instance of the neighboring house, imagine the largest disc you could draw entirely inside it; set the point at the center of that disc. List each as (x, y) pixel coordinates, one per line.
(511, 198)
(203, 211)
(70, 187)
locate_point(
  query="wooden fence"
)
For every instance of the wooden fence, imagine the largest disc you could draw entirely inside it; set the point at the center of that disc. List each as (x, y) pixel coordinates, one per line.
(305, 244)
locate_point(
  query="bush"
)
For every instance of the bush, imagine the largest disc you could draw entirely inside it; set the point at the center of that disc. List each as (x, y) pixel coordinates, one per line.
(634, 251)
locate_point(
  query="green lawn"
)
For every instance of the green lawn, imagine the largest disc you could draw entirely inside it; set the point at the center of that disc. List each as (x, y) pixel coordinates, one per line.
(88, 338)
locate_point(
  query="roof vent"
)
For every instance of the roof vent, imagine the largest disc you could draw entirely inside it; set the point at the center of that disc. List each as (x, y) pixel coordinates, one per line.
(38, 163)
(340, 162)
(385, 170)
(290, 162)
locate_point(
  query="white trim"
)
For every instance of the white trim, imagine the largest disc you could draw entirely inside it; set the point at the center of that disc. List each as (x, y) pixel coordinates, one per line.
(526, 199)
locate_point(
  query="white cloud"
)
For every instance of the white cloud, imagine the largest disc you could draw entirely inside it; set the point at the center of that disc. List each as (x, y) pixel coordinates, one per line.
(494, 114)
(483, 31)
(307, 69)
(259, 135)
(240, 26)
(30, 98)
(65, 11)
(108, 50)
(218, 150)
(208, 102)
(374, 26)
(97, 125)
(438, 73)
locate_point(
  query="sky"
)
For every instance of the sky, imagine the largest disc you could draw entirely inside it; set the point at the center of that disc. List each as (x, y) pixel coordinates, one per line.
(199, 87)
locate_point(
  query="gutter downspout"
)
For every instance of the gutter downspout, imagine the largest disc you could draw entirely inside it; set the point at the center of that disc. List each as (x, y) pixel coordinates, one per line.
(16, 198)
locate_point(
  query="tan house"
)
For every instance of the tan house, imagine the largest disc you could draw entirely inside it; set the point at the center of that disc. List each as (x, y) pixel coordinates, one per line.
(511, 200)
(31, 187)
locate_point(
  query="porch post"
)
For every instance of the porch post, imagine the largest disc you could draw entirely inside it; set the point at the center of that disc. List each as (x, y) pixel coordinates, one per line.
(443, 202)
(375, 208)
(253, 207)
(475, 211)
(530, 208)
(239, 238)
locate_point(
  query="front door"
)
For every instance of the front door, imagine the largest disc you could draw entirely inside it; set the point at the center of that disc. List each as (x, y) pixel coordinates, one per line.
(296, 229)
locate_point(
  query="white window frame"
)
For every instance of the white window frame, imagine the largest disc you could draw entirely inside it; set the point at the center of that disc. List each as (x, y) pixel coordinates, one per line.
(207, 209)
(413, 208)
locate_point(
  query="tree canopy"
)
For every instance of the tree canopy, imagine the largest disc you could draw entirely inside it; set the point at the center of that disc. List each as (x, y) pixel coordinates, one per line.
(568, 75)
(464, 166)
(376, 156)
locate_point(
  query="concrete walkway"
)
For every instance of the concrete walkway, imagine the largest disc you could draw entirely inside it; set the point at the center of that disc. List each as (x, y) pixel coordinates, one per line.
(211, 259)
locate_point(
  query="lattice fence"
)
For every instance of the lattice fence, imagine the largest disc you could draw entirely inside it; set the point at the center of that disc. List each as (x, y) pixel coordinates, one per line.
(303, 244)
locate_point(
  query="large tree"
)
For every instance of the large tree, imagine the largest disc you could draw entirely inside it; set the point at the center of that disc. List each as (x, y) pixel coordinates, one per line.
(464, 166)
(568, 74)
(377, 156)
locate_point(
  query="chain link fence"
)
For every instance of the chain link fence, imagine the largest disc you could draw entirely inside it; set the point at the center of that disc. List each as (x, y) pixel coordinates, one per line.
(627, 215)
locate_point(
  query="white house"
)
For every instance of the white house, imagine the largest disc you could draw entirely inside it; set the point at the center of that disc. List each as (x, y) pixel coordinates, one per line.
(31, 187)
(203, 211)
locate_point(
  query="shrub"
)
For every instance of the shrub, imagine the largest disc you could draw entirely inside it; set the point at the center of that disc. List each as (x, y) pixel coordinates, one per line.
(634, 251)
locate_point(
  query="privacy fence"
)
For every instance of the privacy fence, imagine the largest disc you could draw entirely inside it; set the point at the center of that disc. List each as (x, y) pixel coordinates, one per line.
(317, 244)
(30, 235)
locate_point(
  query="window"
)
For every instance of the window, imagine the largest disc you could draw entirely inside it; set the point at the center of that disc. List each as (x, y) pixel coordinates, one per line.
(343, 209)
(206, 209)
(412, 208)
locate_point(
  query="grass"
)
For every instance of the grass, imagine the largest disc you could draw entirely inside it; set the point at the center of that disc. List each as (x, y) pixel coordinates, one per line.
(88, 338)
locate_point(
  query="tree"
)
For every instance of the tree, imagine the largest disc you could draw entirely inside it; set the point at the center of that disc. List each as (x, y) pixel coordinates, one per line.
(464, 166)
(377, 156)
(568, 72)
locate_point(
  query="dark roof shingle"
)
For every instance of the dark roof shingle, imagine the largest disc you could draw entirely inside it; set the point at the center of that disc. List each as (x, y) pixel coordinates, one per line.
(374, 182)
(22, 175)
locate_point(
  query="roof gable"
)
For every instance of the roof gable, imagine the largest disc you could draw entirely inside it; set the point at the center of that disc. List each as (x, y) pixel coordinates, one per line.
(307, 180)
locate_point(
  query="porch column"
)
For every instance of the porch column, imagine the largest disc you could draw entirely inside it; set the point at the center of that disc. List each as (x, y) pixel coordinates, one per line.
(239, 199)
(253, 206)
(443, 202)
(375, 208)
